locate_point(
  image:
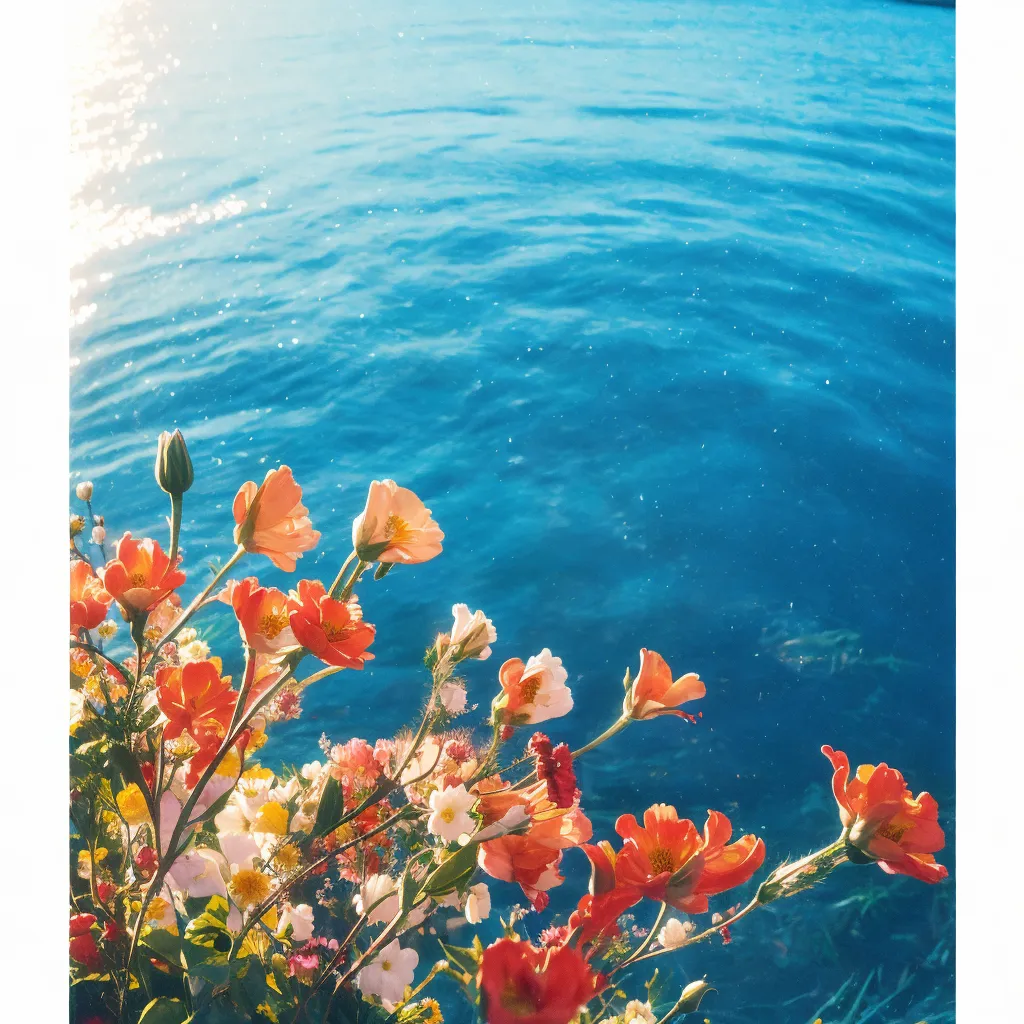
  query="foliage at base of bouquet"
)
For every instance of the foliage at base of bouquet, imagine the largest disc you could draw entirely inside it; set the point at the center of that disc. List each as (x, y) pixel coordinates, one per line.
(206, 886)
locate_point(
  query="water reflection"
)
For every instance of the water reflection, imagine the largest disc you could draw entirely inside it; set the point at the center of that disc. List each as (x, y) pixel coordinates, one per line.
(115, 60)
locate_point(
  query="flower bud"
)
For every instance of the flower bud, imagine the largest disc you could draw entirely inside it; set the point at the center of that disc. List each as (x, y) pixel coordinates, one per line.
(692, 995)
(99, 534)
(173, 470)
(84, 490)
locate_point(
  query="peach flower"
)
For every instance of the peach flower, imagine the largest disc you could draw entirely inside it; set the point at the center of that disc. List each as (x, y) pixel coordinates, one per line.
(140, 575)
(332, 631)
(886, 822)
(271, 519)
(395, 526)
(89, 601)
(654, 693)
(533, 692)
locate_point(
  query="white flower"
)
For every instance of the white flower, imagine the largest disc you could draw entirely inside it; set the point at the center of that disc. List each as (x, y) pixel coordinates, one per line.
(451, 818)
(311, 771)
(474, 631)
(300, 918)
(453, 697)
(675, 932)
(375, 888)
(478, 903)
(187, 635)
(99, 535)
(197, 650)
(107, 629)
(637, 1012)
(534, 692)
(84, 490)
(510, 820)
(198, 873)
(389, 973)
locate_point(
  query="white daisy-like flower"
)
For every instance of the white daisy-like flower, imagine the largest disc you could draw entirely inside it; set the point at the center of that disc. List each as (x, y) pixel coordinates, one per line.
(389, 973)
(451, 817)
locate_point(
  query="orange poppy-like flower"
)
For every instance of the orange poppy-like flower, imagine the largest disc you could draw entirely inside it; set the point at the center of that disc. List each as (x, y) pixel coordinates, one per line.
(668, 859)
(886, 822)
(195, 699)
(395, 526)
(263, 615)
(597, 913)
(331, 630)
(271, 519)
(654, 693)
(89, 601)
(140, 575)
(520, 984)
(531, 858)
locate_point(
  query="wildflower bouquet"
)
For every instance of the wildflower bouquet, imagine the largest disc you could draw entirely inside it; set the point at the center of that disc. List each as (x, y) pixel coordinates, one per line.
(208, 887)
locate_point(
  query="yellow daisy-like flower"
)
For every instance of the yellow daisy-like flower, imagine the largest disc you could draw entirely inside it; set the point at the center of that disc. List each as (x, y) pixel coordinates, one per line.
(256, 772)
(230, 765)
(433, 1009)
(287, 859)
(249, 887)
(132, 804)
(273, 818)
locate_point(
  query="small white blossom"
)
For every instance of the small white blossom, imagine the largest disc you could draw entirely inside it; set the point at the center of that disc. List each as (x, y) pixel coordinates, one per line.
(478, 903)
(375, 888)
(474, 631)
(300, 917)
(453, 697)
(389, 973)
(451, 813)
(675, 933)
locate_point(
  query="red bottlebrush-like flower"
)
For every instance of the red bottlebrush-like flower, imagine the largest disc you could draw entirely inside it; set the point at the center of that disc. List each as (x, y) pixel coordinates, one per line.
(195, 698)
(886, 822)
(89, 601)
(667, 859)
(520, 984)
(332, 631)
(554, 767)
(140, 575)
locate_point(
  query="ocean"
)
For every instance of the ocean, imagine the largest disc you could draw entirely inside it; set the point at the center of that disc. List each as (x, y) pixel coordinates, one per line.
(652, 303)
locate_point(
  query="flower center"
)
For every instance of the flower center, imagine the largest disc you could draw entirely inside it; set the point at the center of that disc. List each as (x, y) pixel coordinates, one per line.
(448, 815)
(249, 886)
(661, 860)
(891, 831)
(271, 624)
(517, 1002)
(139, 579)
(335, 633)
(385, 965)
(528, 689)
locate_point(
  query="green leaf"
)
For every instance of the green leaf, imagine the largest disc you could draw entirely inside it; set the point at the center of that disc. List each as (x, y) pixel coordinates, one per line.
(208, 942)
(462, 958)
(164, 1010)
(164, 944)
(121, 759)
(453, 874)
(332, 805)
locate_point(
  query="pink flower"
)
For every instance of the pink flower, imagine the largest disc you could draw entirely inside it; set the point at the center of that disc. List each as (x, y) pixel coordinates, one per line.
(395, 526)
(271, 519)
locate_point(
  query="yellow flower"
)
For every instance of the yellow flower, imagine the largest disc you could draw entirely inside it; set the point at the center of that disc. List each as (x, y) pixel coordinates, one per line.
(85, 862)
(287, 859)
(433, 1009)
(230, 765)
(249, 887)
(256, 772)
(132, 805)
(273, 818)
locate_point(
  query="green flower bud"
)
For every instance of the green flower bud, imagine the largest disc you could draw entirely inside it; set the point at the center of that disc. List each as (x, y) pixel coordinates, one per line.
(173, 468)
(692, 995)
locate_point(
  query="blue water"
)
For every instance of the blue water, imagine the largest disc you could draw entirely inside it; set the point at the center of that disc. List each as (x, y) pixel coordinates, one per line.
(652, 303)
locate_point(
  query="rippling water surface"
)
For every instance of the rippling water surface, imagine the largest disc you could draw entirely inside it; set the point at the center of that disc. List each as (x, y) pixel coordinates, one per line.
(651, 302)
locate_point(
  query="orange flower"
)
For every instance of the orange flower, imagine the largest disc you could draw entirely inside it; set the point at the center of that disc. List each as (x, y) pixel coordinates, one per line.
(140, 575)
(520, 984)
(597, 912)
(886, 822)
(195, 699)
(654, 693)
(271, 519)
(531, 858)
(532, 693)
(262, 616)
(89, 601)
(667, 859)
(395, 526)
(331, 630)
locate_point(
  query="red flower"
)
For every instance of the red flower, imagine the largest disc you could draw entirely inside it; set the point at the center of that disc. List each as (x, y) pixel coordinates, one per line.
(83, 949)
(262, 614)
(332, 631)
(146, 861)
(520, 984)
(886, 822)
(80, 924)
(598, 912)
(140, 575)
(554, 766)
(105, 891)
(667, 859)
(195, 699)
(89, 601)
(111, 932)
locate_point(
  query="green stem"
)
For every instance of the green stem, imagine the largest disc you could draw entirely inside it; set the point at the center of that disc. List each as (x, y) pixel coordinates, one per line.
(341, 575)
(649, 938)
(176, 504)
(617, 727)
